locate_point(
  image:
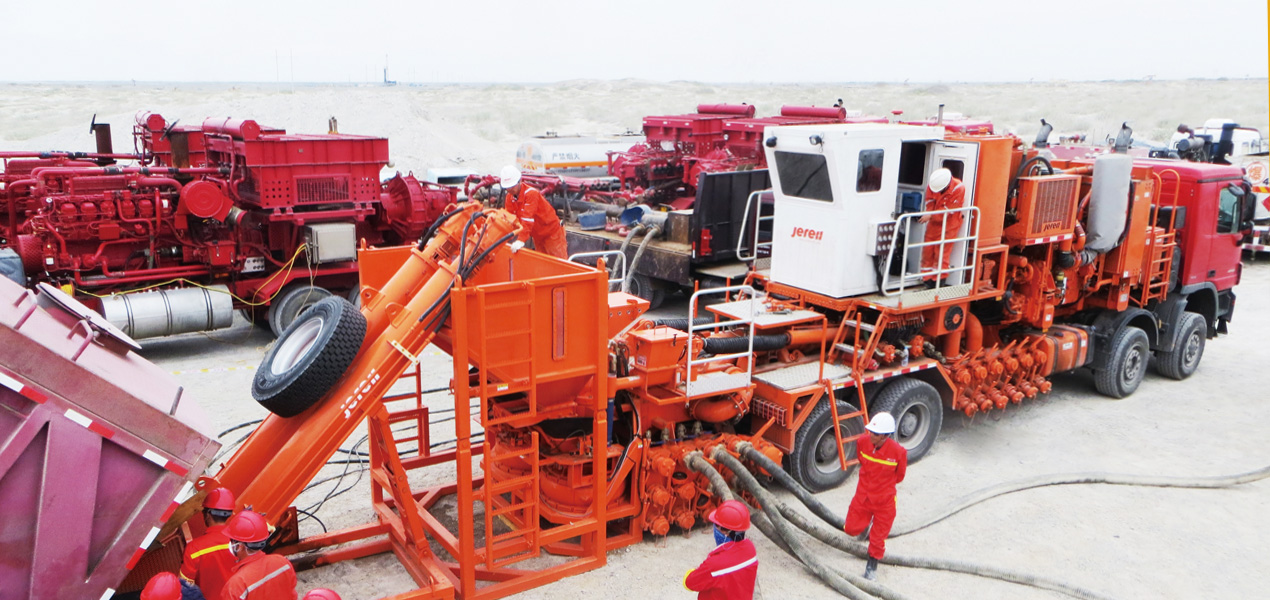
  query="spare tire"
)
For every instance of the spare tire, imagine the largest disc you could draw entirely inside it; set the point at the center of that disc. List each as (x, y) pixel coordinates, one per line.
(310, 356)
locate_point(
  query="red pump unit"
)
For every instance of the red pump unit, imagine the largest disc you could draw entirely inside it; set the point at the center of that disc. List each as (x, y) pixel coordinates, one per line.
(240, 215)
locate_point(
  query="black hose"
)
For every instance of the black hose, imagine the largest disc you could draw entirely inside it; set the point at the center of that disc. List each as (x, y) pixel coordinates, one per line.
(838, 539)
(681, 323)
(733, 345)
(1010, 487)
(427, 234)
(847, 584)
(1014, 183)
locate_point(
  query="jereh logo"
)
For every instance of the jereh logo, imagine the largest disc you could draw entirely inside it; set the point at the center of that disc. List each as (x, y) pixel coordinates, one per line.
(811, 234)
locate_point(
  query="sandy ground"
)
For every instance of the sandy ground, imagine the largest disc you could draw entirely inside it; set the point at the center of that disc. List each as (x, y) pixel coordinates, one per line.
(1121, 541)
(1125, 542)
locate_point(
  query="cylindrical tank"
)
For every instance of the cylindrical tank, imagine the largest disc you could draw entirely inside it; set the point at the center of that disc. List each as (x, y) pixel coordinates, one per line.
(819, 112)
(740, 110)
(1108, 202)
(572, 156)
(169, 312)
(243, 129)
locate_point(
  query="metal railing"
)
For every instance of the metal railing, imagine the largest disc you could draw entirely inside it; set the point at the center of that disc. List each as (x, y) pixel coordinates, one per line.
(758, 222)
(938, 273)
(620, 264)
(714, 382)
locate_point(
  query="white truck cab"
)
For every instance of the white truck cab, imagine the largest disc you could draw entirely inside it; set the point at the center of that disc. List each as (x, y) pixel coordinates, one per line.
(842, 193)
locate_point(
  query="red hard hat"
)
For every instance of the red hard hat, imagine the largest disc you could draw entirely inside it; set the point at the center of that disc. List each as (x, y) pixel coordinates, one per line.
(219, 499)
(731, 515)
(247, 527)
(321, 594)
(164, 586)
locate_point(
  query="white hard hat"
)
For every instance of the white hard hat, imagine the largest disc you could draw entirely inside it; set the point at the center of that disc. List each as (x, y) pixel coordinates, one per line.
(940, 180)
(509, 177)
(882, 424)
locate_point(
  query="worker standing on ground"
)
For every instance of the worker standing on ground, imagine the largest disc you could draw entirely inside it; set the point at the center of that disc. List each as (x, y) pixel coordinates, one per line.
(729, 571)
(208, 562)
(945, 193)
(258, 576)
(883, 462)
(536, 214)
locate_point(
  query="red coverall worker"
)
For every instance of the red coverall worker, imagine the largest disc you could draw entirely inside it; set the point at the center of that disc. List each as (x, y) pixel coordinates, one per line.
(261, 576)
(729, 571)
(881, 467)
(208, 563)
(945, 225)
(537, 217)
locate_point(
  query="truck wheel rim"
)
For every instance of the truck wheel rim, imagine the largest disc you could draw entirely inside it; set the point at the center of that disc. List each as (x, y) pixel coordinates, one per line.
(826, 458)
(911, 427)
(1190, 355)
(296, 346)
(1132, 365)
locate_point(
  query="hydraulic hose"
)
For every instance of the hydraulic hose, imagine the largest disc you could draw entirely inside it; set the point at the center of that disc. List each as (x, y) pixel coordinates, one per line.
(1010, 487)
(653, 230)
(732, 345)
(839, 539)
(786, 481)
(682, 323)
(846, 584)
(630, 235)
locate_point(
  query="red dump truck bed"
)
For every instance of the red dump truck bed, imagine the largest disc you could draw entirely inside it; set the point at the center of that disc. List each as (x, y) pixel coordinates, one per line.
(96, 446)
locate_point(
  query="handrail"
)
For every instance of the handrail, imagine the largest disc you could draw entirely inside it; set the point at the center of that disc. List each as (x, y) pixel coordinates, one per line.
(758, 222)
(938, 272)
(601, 254)
(720, 382)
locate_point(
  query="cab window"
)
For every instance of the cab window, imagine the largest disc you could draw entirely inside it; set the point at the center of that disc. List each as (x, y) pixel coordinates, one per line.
(1227, 209)
(869, 173)
(804, 175)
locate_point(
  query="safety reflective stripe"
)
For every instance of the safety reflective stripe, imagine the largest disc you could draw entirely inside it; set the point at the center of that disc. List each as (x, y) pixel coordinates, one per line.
(209, 550)
(747, 563)
(889, 463)
(527, 219)
(251, 588)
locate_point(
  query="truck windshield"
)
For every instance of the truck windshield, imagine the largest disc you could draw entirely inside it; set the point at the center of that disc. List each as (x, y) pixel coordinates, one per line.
(804, 176)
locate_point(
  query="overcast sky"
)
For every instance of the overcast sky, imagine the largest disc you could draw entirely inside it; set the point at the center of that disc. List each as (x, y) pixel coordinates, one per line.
(700, 40)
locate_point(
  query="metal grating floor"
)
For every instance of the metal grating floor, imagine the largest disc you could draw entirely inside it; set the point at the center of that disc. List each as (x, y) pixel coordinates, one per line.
(798, 376)
(919, 297)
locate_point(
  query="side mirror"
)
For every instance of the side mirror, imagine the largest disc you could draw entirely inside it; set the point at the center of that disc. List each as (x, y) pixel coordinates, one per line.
(1247, 205)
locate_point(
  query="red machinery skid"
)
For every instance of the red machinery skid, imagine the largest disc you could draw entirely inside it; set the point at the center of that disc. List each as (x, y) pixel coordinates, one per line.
(226, 203)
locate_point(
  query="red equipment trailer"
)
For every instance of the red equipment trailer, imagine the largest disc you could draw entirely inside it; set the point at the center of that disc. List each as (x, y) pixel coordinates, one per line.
(223, 216)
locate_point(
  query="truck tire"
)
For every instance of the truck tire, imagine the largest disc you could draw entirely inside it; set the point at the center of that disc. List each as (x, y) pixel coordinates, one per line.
(918, 412)
(1130, 354)
(291, 302)
(256, 315)
(814, 462)
(1183, 360)
(642, 286)
(309, 357)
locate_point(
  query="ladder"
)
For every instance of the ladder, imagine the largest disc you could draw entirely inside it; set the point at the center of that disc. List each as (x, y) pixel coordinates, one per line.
(857, 339)
(511, 500)
(1155, 284)
(507, 377)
